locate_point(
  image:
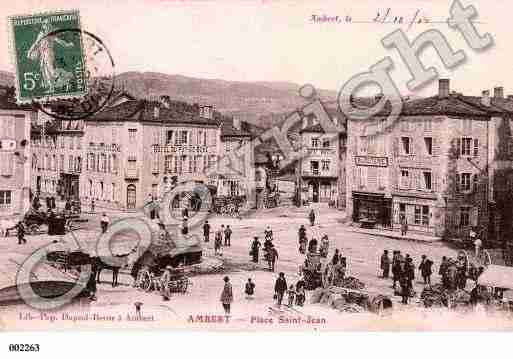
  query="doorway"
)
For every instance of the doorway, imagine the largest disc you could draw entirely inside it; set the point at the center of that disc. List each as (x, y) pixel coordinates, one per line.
(131, 196)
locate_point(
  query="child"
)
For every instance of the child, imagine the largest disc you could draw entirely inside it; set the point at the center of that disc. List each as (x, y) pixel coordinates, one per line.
(291, 293)
(249, 289)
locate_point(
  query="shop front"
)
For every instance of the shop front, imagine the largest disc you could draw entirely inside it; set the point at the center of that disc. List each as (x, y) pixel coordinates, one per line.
(421, 214)
(372, 207)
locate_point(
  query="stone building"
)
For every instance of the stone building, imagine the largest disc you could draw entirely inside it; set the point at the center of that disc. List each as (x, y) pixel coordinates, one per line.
(15, 151)
(57, 156)
(431, 165)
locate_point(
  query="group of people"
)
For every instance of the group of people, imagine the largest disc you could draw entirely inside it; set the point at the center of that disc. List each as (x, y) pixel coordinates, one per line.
(270, 251)
(403, 271)
(295, 293)
(222, 237)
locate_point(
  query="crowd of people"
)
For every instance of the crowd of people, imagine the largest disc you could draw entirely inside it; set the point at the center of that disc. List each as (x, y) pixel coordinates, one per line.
(453, 272)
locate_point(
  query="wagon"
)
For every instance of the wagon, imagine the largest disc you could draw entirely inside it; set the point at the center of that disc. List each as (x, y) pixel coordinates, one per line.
(150, 279)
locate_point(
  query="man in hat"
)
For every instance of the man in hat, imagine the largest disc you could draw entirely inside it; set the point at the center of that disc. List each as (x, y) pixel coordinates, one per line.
(227, 236)
(206, 231)
(385, 264)
(280, 287)
(255, 248)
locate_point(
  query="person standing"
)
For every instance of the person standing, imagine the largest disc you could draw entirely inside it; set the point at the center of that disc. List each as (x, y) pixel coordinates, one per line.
(268, 233)
(20, 228)
(227, 295)
(396, 268)
(227, 236)
(300, 292)
(255, 249)
(425, 269)
(336, 257)
(404, 225)
(206, 231)
(272, 258)
(249, 289)
(291, 295)
(404, 282)
(185, 226)
(442, 271)
(104, 222)
(218, 242)
(312, 245)
(221, 233)
(311, 217)
(472, 235)
(280, 287)
(385, 264)
(477, 246)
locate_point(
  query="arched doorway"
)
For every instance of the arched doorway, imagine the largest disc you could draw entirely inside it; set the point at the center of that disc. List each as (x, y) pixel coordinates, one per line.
(131, 196)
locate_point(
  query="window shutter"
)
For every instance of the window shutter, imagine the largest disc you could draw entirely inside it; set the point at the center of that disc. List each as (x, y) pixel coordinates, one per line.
(458, 147)
(412, 146)
(476, 147)
(434, 147)
(396, 146)
(457, 187)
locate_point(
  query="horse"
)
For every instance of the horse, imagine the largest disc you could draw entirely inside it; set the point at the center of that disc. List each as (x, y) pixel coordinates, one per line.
(115, 264)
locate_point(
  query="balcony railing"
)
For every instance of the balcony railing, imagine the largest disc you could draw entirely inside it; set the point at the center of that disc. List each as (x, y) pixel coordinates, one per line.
(131, 173)
(319, 173)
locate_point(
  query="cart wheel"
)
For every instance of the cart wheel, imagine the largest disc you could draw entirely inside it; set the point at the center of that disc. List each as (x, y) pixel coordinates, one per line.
(184, 285)
(145, 281)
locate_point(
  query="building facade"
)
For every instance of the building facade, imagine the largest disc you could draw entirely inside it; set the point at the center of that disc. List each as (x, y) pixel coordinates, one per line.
(319, 164)
(57, 156)
(430, 166)
(15, 152)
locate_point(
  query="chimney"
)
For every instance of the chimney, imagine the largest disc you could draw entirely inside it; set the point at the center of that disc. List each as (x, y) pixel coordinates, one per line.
(498, 92)
(485, 98)
(443, 88)
(165, 101)
(156, 112)
(207, 111)
(236, 123)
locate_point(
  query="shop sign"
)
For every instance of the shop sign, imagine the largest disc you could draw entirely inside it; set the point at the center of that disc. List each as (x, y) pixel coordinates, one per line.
(371, 161)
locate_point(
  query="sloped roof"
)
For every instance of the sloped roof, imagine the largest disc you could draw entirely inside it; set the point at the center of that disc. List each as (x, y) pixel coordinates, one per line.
(228, 130)
(452, 105)
(144, 111)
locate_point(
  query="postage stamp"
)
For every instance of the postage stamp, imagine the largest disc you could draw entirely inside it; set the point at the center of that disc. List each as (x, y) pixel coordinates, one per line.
(49, 63)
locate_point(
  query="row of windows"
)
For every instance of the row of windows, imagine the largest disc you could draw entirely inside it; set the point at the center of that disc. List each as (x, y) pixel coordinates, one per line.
(50, 163)
(407, 146)
(411, 180)
(186, 164)
(68, 142)
(101, 162)
(314, 166)
(182, 137)
(101, 191)
(316, 142)
(408, 125)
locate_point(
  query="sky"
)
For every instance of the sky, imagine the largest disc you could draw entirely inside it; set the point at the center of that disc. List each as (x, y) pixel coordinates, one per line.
(265, 40)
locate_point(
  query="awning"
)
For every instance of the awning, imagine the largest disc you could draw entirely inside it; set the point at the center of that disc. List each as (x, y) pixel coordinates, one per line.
(497, 276)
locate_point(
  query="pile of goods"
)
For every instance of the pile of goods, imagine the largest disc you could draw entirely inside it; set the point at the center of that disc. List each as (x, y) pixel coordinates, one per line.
(437, 295)
(351, 283)
(350, 301)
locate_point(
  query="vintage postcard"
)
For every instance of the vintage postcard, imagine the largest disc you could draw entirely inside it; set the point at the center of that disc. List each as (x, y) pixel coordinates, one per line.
(294, 166)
